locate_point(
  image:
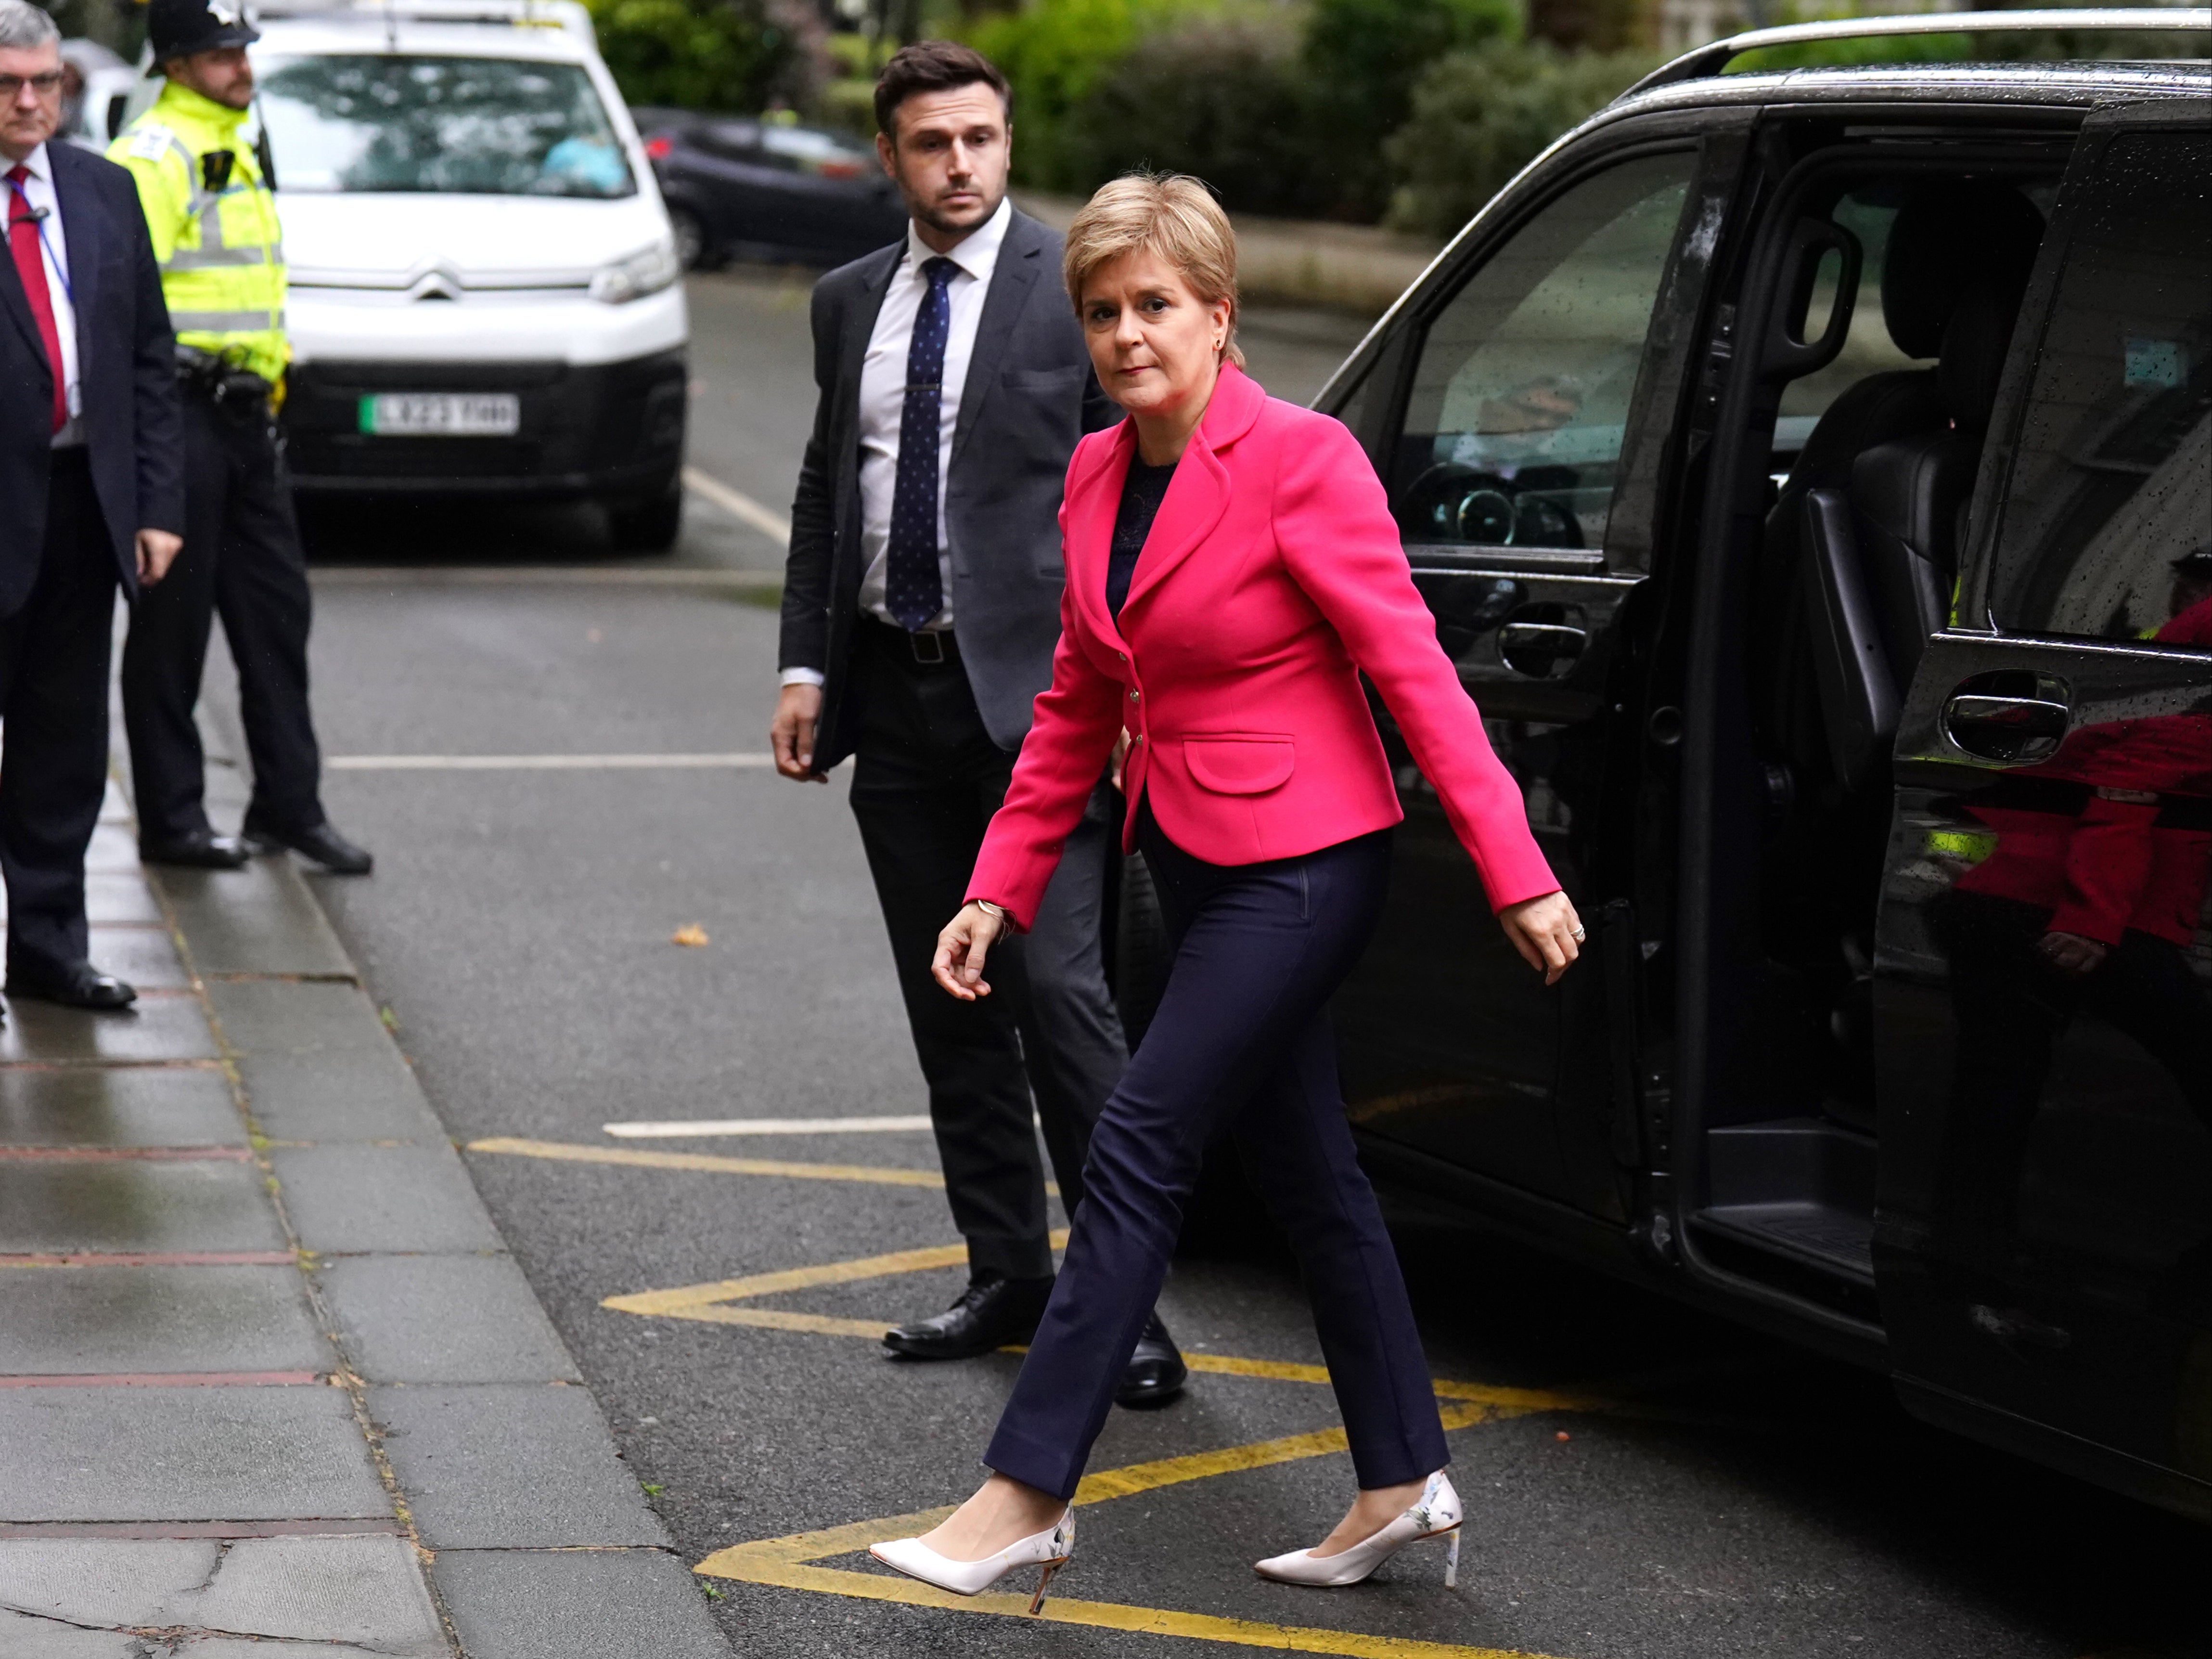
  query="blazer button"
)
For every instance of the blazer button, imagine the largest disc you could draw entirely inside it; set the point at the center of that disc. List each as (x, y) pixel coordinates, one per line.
(1132, 694)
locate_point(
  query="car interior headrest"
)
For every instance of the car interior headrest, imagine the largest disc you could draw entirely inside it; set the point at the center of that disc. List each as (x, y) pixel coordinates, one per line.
(1946, 237)
(1974, 342)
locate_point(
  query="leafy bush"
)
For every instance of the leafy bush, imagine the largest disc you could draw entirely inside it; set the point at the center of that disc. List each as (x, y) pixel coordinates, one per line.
(1225, 98)
(1052, 53)
(707, 54)
(1365, 56)
(1479, 116)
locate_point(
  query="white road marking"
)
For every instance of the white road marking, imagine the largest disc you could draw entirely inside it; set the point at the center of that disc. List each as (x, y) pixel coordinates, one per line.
(739, 505)
(765, 1126)
(545, 762)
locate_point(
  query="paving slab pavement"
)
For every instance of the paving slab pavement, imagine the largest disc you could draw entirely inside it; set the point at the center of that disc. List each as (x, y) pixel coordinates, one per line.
(269, 1379)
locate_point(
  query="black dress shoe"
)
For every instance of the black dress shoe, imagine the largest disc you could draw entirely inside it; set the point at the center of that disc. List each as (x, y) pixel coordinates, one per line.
(322, 844)
(199, 849)
(82, 986)
(992, 1312)
(1156, 1372)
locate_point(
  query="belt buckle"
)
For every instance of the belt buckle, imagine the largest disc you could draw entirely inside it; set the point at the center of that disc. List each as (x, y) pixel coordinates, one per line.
(927, 647)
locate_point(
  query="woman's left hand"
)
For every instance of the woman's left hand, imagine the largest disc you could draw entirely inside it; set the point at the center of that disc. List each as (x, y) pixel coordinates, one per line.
(1545, 931)
(961, 950)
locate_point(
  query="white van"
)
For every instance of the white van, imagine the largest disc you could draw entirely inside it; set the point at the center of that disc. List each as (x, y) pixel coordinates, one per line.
(484, 282)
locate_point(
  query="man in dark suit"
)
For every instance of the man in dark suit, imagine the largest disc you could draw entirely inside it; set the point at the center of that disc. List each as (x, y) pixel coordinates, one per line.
(91, 480)
(921, 608)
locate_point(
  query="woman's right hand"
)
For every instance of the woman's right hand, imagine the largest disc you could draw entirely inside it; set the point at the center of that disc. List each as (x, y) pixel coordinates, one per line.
(961, 950)
(1545, 931)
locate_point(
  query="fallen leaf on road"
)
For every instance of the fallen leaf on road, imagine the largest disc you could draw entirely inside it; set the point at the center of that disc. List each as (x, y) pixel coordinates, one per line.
(689, 934)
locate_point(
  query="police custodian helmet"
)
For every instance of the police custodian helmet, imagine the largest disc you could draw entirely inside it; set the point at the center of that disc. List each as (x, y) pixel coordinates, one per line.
(178, 28)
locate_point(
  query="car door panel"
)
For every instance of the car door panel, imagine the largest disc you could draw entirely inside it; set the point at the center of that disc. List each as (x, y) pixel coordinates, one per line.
(1504, 457)
(2044, 972)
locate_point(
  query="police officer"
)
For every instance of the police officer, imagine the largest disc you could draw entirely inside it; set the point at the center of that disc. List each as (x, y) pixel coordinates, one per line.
(214, 230)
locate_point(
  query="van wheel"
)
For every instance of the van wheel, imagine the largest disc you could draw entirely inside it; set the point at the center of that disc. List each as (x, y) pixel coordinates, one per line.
(650, 525)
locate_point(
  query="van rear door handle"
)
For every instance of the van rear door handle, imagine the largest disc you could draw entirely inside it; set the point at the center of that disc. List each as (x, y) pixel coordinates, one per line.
(1536, 647)
(2006, 728)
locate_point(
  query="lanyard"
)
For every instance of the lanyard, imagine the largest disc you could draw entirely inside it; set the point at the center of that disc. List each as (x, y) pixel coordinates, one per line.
(38, 216)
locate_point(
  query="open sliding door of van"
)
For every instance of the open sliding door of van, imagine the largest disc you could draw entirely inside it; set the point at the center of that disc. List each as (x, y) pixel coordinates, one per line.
(2044, 966)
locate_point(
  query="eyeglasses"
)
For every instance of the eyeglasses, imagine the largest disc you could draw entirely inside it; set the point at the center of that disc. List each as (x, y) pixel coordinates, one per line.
(46, 85)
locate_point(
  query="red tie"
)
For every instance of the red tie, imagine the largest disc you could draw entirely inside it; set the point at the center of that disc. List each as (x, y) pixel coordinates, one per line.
(23, 243)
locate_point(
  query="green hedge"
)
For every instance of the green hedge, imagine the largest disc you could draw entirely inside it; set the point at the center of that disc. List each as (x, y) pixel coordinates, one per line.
(702, 54)
(1225, 98)
(1479, 116)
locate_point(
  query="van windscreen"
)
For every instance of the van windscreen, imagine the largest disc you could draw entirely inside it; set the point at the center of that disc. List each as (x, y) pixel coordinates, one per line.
(482, 126)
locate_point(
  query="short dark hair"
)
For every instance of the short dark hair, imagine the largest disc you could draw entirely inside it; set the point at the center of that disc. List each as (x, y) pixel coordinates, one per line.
(933, 66)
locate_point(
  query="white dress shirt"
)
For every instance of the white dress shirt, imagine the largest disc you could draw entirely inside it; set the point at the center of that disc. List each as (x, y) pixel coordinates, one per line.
(883, 402)
(38, 191)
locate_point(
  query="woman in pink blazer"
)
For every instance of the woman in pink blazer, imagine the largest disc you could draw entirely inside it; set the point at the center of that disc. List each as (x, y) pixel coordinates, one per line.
(1232, 569)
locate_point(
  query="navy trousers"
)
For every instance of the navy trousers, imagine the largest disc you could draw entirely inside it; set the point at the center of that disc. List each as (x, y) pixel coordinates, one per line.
(1241, 1038)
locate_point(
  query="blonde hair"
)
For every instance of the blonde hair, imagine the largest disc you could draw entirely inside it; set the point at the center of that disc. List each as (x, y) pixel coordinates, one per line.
(1171, 215)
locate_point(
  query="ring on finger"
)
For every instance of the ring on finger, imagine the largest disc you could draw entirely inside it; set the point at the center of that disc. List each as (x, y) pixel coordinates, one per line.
(1577, 935)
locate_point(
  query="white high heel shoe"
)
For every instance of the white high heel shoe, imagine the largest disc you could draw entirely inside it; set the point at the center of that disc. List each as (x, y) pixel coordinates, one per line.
(1437, 1515)
(1048, 1549)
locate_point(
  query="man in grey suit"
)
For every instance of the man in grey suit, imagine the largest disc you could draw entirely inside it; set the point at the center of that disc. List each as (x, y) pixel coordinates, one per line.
(921, 608)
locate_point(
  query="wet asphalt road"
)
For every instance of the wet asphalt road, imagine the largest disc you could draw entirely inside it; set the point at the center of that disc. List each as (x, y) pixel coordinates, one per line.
(1669, 1486)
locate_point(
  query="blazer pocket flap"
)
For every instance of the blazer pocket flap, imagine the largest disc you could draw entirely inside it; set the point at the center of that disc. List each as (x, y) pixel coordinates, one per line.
(1237, 764)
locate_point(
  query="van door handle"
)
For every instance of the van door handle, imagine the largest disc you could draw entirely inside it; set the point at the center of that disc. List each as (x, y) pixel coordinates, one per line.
(1536, 647)
(2006, 728)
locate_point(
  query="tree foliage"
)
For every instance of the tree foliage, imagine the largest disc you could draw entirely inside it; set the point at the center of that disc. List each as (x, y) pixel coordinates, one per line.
(1225, 97)
(704, 54)
(1479, 116)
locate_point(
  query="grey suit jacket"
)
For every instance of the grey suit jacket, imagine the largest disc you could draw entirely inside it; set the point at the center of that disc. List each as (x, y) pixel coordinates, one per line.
(1028, 397)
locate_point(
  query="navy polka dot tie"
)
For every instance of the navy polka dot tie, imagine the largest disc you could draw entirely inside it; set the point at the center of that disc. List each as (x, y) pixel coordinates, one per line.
(914, 591)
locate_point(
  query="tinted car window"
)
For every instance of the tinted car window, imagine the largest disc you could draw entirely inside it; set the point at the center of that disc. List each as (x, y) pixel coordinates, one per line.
(2107, 519)
(1513, 430)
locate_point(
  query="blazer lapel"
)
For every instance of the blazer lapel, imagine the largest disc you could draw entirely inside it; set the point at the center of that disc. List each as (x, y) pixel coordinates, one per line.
(1012, 279)
(1198, 495)
(860, 324)
(845, 429)
(1092, 506)
(81, 229)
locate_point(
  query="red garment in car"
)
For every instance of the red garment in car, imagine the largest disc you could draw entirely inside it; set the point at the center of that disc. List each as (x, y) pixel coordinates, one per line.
(1272, 579)
(2114, 865)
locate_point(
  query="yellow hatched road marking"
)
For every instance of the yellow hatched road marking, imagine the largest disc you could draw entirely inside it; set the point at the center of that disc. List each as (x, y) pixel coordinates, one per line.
(710, 1303)
(1260, 1455)
(787, 1563)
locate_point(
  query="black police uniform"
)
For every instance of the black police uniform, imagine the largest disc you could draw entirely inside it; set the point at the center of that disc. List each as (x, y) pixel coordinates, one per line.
(241, 556)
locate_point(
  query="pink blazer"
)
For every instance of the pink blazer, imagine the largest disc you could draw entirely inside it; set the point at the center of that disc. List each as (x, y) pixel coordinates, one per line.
(1271, 578)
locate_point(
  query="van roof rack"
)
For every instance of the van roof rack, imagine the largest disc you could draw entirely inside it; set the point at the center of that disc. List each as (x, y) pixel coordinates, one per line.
(1712, 57)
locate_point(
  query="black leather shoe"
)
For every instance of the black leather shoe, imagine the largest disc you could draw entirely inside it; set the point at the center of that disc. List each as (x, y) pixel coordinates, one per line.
(322, 844)
(82, 986)
(1156, 1372)
(992, 1312)
(199, 849)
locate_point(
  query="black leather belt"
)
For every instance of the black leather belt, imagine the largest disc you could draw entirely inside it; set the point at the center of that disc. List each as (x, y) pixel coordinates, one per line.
(937, 649)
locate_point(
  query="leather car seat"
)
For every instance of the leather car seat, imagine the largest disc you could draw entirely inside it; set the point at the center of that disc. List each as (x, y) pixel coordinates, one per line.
(1892, 462)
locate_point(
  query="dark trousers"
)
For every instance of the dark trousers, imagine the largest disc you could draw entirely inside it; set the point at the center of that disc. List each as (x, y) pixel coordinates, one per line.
(1241, 1038)
(926, 781)
(241, 558)
(53, 699)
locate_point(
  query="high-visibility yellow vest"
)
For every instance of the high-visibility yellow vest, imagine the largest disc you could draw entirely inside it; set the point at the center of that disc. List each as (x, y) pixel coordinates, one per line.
(222, 252)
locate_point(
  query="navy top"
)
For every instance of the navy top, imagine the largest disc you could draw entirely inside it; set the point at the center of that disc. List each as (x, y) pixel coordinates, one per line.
(1142, 491)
